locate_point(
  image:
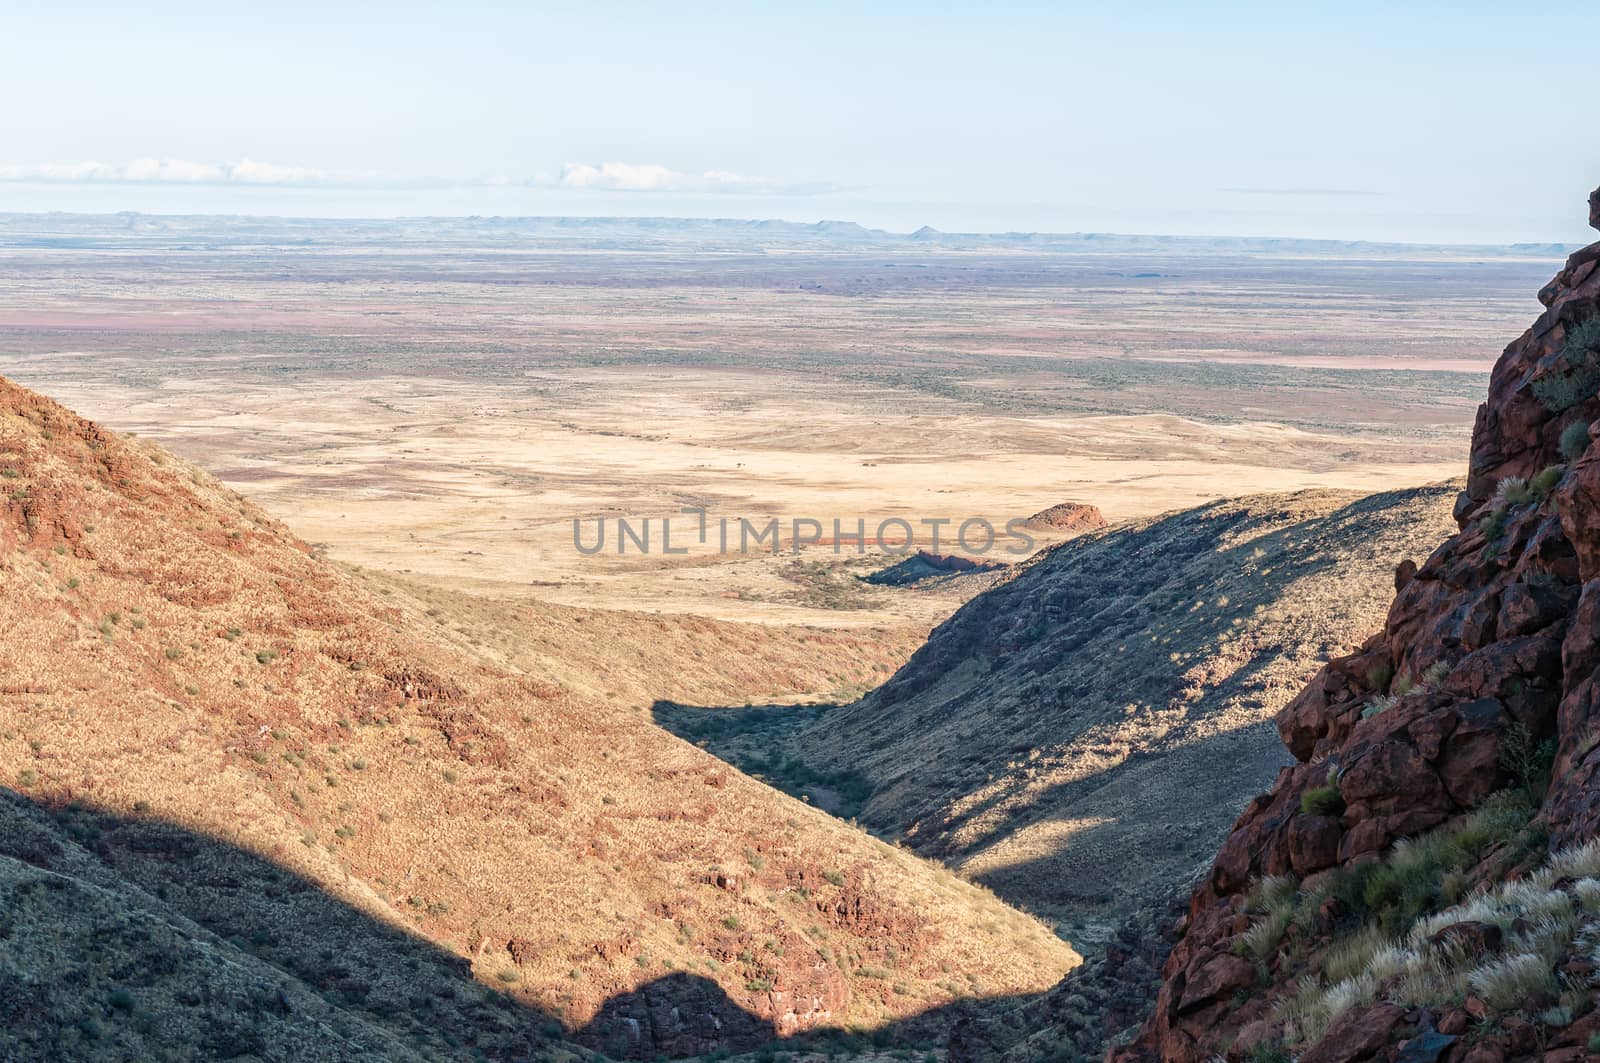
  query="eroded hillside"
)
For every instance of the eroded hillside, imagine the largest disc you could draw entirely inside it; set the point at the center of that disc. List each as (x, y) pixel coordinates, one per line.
(1081, 737)
(190, 697)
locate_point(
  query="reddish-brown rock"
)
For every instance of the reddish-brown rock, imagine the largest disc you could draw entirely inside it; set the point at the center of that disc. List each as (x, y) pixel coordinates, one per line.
(1358, 1034)
(1067, 516)
(1491, 647)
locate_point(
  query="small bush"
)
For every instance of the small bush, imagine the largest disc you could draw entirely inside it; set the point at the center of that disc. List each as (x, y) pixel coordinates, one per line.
(1322, 801)
(1559, 392)
(1494, 527)
(834, 877)
(1435, 674)
(1527, 759)
(1547, 479)
(1574, 440)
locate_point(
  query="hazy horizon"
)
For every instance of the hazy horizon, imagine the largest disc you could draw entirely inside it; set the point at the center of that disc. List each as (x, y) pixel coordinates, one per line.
(1366, 123)
(797, 223)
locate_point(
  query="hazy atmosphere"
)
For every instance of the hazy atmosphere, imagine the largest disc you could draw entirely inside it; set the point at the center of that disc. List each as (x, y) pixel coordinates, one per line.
(1356, 121)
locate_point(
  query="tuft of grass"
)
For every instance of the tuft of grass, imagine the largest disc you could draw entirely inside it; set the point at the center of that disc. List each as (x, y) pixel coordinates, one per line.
(1547, 478)
(1322, 801)
(1493, 527)
(1510, 982)
(1379, 704)
(1512, 491)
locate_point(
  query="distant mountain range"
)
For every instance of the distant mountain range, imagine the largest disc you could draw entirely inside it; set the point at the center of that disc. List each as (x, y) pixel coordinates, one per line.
(703, 234)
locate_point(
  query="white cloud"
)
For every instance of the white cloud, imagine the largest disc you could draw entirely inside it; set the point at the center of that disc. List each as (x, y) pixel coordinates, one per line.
(165, 171)
(653, 177)
(606, 177)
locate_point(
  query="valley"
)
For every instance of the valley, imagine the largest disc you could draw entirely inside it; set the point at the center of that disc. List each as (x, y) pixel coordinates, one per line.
(300, 598)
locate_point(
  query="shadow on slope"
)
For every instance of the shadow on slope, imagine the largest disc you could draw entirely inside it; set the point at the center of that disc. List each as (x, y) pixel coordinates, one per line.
(136, 938)
(1081, 736)
(127, 937)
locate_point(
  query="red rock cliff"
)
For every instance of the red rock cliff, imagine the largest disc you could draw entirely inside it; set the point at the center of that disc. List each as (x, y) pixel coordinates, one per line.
(1488, 666)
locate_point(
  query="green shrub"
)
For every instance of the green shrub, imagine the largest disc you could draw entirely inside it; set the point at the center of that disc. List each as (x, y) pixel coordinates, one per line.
(1494, 528)
(1547, 479)
(1574, 440)
(1322, 801)
(1563, 391)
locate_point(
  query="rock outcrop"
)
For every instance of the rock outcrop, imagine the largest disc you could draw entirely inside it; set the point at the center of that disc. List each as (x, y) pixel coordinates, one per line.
(1067, 516)
(1480, 697)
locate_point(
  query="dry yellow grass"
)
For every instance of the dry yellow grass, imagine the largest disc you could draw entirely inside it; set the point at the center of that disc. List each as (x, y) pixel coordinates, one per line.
(171, 653)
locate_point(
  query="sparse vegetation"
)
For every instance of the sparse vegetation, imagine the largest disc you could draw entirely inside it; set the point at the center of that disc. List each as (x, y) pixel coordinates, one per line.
(1541, 918)
(1512, 491)
(1574, 440)
(1545, 481)
(1560, 392)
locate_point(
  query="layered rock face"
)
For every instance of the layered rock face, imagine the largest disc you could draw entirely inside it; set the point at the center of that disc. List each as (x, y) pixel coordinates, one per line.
(1479, 701)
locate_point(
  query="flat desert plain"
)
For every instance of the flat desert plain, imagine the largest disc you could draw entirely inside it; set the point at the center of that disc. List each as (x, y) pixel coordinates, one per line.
(442, 401)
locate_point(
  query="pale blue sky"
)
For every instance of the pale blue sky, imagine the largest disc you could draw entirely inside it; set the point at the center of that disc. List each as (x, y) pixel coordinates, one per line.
(1457, 122)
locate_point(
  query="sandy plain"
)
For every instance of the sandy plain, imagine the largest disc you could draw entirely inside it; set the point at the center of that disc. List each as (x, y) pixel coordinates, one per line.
(448, 411)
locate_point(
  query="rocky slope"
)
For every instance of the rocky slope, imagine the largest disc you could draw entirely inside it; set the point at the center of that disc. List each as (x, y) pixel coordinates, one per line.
(1423, 882)
(1080, 737)
(231, 753)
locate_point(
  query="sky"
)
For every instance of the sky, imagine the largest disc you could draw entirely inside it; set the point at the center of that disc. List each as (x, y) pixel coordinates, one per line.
(1437, 122)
